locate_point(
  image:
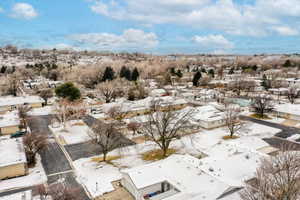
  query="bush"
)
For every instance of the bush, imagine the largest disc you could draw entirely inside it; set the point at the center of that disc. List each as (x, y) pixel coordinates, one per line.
(68, 91)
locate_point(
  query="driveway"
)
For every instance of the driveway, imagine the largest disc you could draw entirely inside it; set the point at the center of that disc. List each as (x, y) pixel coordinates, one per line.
(88, 149)
(71, 182)
(53, 159)
(286, 131)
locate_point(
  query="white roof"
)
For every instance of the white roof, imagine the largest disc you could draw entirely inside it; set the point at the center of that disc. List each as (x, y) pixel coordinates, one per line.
(11, 151)
(127, 106)
(10, 100)
(234, 169)
(207, 113)
(288, 108)
(9, 119)
(183, 172)
(26, 195)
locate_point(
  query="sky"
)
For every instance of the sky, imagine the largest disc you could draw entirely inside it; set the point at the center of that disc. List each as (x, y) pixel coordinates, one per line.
(153, 26)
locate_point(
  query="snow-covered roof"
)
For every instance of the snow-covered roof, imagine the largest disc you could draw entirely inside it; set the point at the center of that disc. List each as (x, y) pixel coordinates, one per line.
(158, 92)
(9, 119)
(207, 113)
(233, 170)
(288, 108)
(11, 151)
(10, 100)
(26, 195)
(184, 173)
(128, 106)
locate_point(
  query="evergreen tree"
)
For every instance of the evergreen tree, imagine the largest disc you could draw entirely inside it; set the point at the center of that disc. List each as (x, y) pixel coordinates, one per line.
(231, 71)
(3, 69)
(179, 73)
(68, 91)
(196, 79)
(254, 67)
(211, 72)
(125, 73)
(135, 74)
(287, 63)
(172, 71)
(108, 75)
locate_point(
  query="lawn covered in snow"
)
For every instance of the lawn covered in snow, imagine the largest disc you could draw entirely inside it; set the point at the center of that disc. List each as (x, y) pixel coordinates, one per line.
(76, 132)
(97, 177)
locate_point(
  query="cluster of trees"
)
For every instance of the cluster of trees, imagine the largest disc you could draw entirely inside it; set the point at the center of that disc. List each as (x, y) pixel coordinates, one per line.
(128, 74)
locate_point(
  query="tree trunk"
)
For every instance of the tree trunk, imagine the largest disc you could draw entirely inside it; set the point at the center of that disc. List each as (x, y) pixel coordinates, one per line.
(104, 156)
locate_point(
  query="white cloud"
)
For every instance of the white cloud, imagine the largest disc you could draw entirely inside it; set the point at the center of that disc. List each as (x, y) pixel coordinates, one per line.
(23, 11)
(228, 16)
(218, 42)
(131, 38)
(285, 30)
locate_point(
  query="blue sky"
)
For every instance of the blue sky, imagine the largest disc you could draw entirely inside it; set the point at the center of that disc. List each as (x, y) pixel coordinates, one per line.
(153, 26)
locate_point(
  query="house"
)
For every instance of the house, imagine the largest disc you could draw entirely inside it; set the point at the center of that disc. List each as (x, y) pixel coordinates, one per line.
(177, 177)
(25, 195)
(9, 103)
(208, 117)
(287, 110)
(235, 175)
(9, 123)
(12, 158)
(143, 106)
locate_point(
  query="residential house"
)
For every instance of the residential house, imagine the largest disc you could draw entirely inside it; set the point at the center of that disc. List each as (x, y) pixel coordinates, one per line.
(12, 158)
(177, 177)
(9, 103)
(9, 123)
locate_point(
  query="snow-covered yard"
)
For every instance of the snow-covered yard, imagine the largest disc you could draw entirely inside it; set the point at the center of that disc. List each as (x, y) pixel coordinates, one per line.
(97, 177)
(46, 110)
(36, 176)
(76, 132)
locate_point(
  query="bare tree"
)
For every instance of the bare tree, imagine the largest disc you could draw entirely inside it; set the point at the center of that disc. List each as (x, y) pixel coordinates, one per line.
(105, 136)
(58, 191)
(107, 90)
(117, 113)
(292, 93)
(12, 84)
(231, 118)
(67, 110)
(276, 179)
(262, 104)
(34, 143)
(165, 125)
(133, 126)
(46, 94)
(23, 114)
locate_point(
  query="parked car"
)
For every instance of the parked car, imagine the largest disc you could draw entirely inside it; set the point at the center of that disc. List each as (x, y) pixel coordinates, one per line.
(18, 134)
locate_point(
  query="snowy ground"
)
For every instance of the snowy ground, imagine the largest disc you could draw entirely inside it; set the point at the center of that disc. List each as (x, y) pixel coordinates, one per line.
(36, 176)
(76, 132)
(97, 177)
(46, 110)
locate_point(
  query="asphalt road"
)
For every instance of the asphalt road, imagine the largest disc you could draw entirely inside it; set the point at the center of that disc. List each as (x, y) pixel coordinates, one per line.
(53, 158)
(71, 182)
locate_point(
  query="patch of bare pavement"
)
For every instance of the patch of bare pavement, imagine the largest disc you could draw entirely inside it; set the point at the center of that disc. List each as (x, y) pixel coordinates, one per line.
(279, 140)
(54, 159)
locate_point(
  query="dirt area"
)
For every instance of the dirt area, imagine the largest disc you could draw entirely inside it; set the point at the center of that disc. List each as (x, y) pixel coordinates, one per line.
(120, 193)
(290, 122)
